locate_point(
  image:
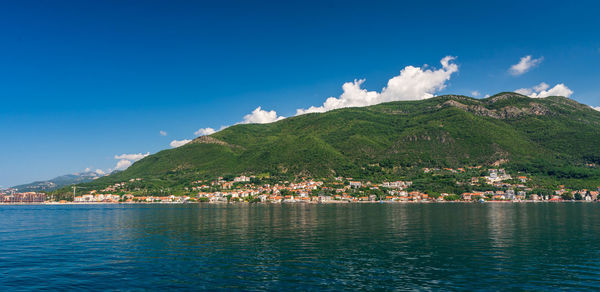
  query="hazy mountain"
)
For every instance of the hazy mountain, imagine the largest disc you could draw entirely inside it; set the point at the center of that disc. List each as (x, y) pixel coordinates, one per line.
(58, 182)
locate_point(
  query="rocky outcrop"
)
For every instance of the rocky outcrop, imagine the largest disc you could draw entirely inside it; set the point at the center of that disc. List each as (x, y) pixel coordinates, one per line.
(504, 96)
(508, 112)
(211, 140)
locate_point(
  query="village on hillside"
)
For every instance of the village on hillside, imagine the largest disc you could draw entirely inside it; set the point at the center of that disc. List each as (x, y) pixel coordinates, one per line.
(497, 185)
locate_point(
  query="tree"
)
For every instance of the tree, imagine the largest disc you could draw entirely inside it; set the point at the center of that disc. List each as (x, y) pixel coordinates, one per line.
(452, 198)
(567, 196)
(434, 195)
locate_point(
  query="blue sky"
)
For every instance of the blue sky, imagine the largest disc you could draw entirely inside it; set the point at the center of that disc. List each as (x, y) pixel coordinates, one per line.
(84, 81)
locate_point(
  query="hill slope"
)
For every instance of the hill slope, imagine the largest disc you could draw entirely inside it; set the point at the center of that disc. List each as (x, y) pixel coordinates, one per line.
(537, 135)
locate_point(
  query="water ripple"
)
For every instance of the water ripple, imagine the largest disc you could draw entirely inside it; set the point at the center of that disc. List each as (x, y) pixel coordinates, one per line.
(300, 247)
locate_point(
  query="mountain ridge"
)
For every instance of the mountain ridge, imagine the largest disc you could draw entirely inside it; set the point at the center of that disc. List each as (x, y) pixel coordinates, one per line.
(389, 140)
(58, 182)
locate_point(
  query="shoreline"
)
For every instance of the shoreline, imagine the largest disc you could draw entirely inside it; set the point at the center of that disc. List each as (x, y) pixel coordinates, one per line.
(284, 203)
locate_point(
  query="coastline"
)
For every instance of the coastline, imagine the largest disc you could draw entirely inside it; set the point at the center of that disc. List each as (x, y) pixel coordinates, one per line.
(284, 203)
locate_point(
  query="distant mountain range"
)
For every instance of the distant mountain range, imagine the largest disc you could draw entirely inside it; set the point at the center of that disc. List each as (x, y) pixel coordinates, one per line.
(552, 136)
(58, 182)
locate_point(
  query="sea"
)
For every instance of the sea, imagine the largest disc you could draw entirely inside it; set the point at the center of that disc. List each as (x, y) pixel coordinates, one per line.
(307, 247)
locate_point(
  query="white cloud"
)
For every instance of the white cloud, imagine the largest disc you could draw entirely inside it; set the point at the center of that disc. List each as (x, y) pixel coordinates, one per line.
(123, 164)
(524, 91)
(542, 90)
(413, 83)
(525, 64)
(541, 87)
(134, 157)
(596, 108)
(162, 133)
(205, 131)
(97, 171)
(179, 143)
(475, 93)
(260, 116)
(126, 160)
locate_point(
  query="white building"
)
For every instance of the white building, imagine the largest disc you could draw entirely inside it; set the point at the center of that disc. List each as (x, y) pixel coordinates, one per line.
(355, 184)
(242, 178)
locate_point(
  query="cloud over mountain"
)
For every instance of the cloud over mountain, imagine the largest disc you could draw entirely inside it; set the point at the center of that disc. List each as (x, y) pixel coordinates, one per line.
(260, 116)
(123, 164)
(134, 157)
(413, 83)
(204, 131)
(179, 143)
(126, 160)
(544, 90)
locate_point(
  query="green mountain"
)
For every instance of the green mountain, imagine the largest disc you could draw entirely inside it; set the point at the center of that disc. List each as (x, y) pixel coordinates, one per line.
(554, 137)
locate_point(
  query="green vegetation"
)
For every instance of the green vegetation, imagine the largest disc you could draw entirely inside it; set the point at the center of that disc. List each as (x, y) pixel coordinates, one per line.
(554, 139)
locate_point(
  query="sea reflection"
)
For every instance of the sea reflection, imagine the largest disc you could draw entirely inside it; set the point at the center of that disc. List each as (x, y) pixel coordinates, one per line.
(300, 246)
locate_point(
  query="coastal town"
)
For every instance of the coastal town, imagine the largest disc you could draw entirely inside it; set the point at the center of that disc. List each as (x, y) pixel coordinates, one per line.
(497, 185)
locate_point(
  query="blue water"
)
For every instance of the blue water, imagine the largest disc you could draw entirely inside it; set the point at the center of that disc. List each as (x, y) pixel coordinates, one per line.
(302, 247)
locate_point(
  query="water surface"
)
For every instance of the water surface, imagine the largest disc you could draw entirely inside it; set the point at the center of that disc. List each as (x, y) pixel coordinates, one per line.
(302, 247)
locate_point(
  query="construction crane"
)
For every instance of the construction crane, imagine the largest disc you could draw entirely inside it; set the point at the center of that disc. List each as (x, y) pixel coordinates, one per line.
(75, 189)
